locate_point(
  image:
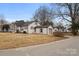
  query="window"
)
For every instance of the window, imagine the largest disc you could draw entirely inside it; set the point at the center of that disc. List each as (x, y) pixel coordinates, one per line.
(50, 31)
(41, 30)
(35, 30)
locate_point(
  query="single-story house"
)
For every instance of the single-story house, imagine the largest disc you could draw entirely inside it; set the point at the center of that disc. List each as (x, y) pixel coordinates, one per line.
(32, 27)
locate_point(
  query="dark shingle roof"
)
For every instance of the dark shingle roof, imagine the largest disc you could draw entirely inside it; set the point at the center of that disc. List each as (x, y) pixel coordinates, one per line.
(22, 23)
(28, 23)
(45, 26)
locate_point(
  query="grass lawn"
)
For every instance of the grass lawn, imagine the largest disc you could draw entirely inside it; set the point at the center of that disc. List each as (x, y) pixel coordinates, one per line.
(13, 40)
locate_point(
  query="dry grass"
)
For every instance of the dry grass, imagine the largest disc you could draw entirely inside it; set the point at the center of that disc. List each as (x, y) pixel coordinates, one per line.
(13, 40)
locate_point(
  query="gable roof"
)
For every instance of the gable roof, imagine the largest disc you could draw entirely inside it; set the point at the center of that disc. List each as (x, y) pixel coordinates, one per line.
(44, 26)
(59, 27)
(28, 23)
(22, 23)
(19, 23)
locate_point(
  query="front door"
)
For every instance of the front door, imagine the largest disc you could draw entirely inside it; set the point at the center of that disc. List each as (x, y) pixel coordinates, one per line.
(50, 31)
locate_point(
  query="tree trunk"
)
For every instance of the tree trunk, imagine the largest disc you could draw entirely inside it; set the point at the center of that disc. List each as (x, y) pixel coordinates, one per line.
(74, 32)
(74, 28)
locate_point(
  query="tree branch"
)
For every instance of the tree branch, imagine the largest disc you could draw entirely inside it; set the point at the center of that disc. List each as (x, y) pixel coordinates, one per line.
(66, 19)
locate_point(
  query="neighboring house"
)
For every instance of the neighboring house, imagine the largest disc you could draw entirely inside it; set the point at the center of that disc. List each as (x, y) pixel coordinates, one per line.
(31, 27)
(69, 29)
(55, 29)
(61, 29)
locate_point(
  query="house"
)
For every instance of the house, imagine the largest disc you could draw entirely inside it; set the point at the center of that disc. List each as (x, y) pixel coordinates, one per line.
(47, 29)
(31, 27)
(24, 26)
(60, 29)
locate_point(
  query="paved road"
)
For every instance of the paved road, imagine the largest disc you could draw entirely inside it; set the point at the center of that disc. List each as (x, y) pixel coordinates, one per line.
(58, 48)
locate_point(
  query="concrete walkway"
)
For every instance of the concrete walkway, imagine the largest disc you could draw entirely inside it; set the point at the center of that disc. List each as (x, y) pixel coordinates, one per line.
(63, 47)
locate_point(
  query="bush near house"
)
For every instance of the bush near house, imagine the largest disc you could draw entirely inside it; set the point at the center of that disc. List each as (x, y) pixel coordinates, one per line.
(58, 34)
(24, 32)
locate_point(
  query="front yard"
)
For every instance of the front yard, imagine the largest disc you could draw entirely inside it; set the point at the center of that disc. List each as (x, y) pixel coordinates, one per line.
(13, 40)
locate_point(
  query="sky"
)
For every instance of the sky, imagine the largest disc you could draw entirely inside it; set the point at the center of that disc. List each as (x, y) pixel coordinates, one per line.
(22, 11)
(19, 11)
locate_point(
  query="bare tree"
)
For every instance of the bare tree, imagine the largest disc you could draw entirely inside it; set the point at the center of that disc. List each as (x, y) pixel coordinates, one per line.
(69, 12)
(43, 14)
(60, 27)
(2, 20)
(5, 27)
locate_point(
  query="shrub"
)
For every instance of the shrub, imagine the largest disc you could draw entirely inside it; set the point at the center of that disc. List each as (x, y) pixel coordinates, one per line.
(17, 31)
(24, 32)
(58, 34)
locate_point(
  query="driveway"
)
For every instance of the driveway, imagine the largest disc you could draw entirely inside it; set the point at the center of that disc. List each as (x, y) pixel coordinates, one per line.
(66, 47)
